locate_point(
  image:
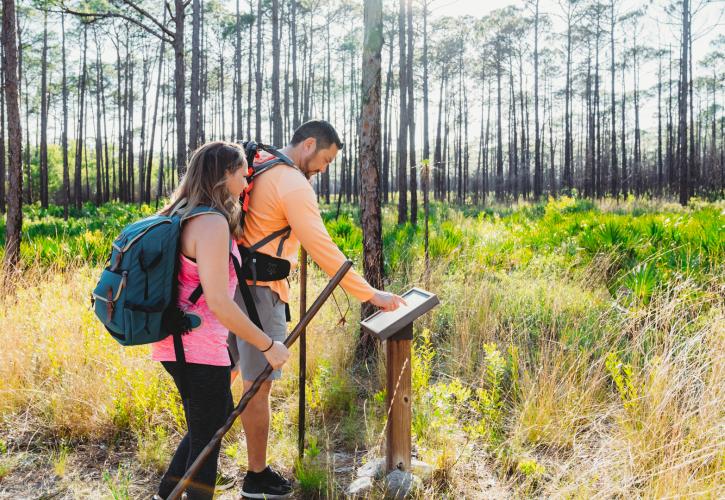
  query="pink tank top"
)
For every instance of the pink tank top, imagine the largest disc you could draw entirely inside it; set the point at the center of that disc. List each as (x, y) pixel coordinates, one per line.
(206, 345)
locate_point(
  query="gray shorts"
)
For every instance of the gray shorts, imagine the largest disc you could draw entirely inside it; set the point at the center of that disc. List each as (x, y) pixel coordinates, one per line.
(247, 358)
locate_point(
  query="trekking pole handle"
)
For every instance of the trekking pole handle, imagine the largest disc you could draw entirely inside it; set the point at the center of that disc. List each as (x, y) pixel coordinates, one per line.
(247, 396)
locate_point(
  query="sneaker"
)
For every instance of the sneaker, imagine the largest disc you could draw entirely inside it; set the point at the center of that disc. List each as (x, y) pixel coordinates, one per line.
(267, 484)
(224, 482)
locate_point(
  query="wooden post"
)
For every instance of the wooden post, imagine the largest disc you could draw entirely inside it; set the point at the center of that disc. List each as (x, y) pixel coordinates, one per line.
(303, 356)
(398, 448)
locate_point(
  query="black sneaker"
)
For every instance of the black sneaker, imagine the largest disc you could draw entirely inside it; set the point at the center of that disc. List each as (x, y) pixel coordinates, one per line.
(267, 484)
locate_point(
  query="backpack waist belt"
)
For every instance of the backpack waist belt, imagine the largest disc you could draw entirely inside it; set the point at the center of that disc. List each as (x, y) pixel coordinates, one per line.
(258, 266)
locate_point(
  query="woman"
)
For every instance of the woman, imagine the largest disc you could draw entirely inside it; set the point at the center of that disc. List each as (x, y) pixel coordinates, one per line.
(215, 177)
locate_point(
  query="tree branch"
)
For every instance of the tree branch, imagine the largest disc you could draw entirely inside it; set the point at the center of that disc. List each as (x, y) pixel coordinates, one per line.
(168, 9)
(109, 15)
(148, 16)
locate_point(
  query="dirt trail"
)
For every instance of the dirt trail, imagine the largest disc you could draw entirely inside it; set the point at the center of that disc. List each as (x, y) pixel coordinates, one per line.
(97, 471)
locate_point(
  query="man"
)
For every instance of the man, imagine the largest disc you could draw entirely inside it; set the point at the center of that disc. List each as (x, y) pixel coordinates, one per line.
(283, 213)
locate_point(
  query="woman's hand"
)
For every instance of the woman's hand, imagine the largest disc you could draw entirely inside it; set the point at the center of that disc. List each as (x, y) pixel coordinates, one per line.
(277, 355)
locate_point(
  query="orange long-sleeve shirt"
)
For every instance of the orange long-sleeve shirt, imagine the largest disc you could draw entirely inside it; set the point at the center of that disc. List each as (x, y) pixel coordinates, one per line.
(281, 197)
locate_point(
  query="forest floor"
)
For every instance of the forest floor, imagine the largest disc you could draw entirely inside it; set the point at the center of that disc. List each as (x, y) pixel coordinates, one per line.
(579, 350)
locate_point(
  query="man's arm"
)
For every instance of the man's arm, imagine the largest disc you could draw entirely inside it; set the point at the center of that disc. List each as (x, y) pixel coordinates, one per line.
(303, 215)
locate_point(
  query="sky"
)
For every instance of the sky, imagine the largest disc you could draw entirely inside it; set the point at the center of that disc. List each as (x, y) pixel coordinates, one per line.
(657, 29)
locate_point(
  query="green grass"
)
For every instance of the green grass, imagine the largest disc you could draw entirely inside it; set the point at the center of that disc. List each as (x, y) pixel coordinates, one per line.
(578, 343)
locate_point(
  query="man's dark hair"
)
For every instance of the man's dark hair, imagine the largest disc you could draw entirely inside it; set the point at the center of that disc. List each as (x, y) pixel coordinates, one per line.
(321, 130)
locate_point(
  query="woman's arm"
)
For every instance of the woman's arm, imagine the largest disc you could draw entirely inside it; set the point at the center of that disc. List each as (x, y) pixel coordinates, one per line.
(208, 235)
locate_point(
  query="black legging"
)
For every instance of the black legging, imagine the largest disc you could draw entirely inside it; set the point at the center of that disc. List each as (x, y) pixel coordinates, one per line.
(206, 406)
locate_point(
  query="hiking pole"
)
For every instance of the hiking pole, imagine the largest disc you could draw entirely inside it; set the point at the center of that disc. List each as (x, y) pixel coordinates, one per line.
(217, 438)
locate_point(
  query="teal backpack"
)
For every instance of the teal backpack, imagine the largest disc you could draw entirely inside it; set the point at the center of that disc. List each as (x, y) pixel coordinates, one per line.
(136, 296)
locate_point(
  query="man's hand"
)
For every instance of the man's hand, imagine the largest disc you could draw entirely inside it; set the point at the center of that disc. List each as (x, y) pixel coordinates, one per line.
(387, 301)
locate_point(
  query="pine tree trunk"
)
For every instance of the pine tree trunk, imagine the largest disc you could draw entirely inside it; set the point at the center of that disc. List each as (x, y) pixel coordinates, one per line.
(692, 161)
(43, 117)
(129, 136)
(14, 218)
(514, 150)
(538, 166)
(499, 132)
(613, 139)
(568, 144)
(637, 164)
(370, 211)
(142, 145)
(600, 177)
(121, 107)
(258, 77)
(276, 106)
(194, 105)
(180, 85)
(295, 81)
(438, 152)
(3, 157)
(660, 166)
(682, 105)
(411, 120)
(238, 75)
(625, 173)
(107, 195)
(77, 180)
(64, 135)
(386, 125)
(21, 92)
(524, 171)
(99, 132)
(153, 129)
(403, 126)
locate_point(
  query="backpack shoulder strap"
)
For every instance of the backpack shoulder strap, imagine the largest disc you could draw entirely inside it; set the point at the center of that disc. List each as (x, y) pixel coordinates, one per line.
(200, 210)
(281, 156)
(268, 238)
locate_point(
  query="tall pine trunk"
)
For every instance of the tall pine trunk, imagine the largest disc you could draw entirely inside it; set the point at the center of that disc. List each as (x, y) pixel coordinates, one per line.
(386, 125)
(370, 211)
(538, 166)
(683, 160)
(411, 120)
(180, 85)
(258, 77)
(99, 132)
(14, 220)
(153, 127)
(276, 106)
(64, 134)
(43, 117)
(403, 117)
(3, 164)
(194, 98)
(77, 181)
(615, 173)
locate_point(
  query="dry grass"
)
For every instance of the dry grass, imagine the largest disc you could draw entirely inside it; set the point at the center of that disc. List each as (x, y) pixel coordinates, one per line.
(537, 381)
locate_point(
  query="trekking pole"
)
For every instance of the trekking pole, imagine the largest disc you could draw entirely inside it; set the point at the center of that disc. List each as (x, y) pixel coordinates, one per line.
(217, 438)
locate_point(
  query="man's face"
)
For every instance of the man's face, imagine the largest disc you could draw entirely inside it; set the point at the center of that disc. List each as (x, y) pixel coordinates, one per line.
(314, 160)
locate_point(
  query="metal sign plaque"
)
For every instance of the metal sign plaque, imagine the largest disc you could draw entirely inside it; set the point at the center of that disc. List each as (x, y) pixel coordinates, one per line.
(386, 324)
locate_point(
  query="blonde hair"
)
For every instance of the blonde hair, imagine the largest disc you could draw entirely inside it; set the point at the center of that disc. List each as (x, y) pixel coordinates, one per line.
(204, 183)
